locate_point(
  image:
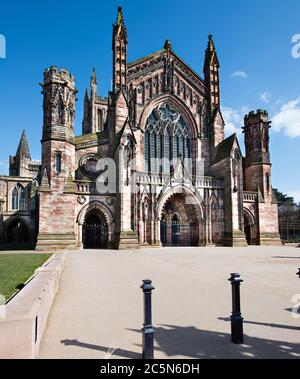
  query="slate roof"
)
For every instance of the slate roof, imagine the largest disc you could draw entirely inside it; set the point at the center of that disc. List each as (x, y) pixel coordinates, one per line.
(224, 148)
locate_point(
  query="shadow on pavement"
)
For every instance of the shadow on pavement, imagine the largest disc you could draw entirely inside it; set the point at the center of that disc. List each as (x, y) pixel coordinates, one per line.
(117, 352)
(269, 324)
(189, 342)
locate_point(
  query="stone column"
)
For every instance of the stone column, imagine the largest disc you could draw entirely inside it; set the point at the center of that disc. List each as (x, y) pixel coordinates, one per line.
(127, 237)
(208, 221)
(202, 239)
(158, 237)
(152, 232)
(141, 231)
(79, 237)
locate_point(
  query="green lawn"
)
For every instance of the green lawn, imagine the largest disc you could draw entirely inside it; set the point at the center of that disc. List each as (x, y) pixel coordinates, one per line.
(16, 269)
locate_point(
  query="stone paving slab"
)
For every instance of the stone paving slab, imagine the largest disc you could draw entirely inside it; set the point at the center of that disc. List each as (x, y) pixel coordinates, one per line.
(98, 310)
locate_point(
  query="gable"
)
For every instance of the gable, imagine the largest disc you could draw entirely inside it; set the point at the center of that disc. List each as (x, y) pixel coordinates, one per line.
(152, 64)
(225, 148)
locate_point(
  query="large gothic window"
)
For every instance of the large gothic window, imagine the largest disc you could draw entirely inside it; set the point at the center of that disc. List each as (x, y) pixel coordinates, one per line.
(166, 139)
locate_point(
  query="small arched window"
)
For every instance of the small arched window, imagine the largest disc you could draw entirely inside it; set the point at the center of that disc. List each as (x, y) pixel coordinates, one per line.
(15, 199)
(61, 115)
(100, 120)
(268, 182)
(18, 198)
(58, 162)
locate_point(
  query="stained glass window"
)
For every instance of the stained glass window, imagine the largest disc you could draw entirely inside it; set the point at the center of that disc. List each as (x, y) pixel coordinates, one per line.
(147, 151)
(167, 155)
(166, 137)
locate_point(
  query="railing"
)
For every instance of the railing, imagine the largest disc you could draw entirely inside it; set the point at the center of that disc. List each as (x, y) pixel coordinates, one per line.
(85, 187)
(155, 179)
(163, 179)
(250, 197)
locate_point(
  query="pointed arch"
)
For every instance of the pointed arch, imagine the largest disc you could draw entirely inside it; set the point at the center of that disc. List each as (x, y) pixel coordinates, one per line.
(18, 197)
(88, 214)
(98, 206)
(187, 191)
(250, 227)
(168, 136)
(177, 103)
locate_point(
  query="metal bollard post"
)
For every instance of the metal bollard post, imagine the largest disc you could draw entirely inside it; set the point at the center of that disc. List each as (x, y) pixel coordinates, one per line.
(298, 273)
(148, 331)
(237, 335)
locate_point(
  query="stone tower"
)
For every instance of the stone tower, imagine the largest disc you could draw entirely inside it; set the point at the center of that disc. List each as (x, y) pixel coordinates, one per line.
(56, 228)
(18, 165)
(212, 80)
(257, 159)
(121, 131)
(211, 74)
(258, 174)
(119, 53)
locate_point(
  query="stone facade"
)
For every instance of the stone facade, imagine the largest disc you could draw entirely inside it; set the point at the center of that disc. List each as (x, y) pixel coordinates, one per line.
(176, 181)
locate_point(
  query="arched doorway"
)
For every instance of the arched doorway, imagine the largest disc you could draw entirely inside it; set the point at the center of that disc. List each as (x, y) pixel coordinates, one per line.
(250, 228)
(95, 231)
(175, 230)
(179, 223)
(247, 228)
(17, 232)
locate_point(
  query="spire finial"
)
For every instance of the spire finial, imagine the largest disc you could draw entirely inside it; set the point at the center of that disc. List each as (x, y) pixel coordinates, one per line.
(119, 27)
(210, 52)
(211, 44)
(94, 77)
(120, 15)
(168, 45)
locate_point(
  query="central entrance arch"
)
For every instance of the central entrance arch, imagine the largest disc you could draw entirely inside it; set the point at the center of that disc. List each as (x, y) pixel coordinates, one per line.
(95, 231)
(179, 223)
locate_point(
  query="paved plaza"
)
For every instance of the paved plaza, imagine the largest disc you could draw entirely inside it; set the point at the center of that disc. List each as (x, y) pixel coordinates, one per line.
(98, 312)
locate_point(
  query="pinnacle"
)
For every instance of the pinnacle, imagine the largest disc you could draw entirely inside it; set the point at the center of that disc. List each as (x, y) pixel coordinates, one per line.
(94, 76)
(120, 15)
(168, 45)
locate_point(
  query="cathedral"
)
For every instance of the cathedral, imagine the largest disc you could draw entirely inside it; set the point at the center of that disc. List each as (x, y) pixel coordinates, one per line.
(152, 166)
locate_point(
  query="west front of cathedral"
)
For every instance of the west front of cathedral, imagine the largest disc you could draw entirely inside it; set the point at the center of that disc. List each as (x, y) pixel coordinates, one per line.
(176, 180)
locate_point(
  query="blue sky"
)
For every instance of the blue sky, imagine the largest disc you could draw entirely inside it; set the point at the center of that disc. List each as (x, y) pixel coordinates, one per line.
(253, 39)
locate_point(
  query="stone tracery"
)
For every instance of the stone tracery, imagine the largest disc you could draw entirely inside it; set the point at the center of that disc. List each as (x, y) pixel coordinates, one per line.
(167, 138)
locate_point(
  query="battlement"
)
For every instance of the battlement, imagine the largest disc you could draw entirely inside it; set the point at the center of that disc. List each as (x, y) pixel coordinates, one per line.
(256, 116)
(53, 74)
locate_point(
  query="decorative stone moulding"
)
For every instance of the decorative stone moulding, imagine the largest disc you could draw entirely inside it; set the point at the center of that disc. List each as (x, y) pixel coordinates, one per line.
(109, 201)
(88, 165)
(81, 200)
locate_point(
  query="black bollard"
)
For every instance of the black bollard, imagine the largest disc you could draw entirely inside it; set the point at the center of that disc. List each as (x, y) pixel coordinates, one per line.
(298, 273)
(148, 331)
(237, 335)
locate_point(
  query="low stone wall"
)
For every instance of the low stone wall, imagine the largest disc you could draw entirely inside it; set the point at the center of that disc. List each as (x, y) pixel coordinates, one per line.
(23, 319)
